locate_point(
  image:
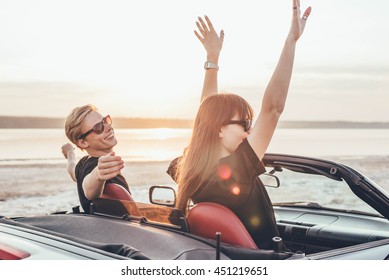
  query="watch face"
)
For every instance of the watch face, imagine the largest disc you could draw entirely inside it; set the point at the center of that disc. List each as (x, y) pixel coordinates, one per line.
(210, 65)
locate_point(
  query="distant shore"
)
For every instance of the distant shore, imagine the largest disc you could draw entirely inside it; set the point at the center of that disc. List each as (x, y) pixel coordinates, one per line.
(45, 122)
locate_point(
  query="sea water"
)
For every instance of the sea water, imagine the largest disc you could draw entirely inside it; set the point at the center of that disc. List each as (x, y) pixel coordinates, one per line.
(19, 146)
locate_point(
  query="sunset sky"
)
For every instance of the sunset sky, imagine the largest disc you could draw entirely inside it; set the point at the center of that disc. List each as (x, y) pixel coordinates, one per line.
(141, 58)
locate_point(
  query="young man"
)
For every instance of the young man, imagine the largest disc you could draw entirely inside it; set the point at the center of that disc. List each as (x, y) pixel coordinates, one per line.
(90, 131)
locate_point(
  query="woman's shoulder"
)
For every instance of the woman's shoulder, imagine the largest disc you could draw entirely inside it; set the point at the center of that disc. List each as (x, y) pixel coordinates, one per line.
(243, 151)
(244, 163)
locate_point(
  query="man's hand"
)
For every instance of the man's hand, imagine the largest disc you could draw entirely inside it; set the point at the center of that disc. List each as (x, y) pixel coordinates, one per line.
(66, 149)
(109, 166)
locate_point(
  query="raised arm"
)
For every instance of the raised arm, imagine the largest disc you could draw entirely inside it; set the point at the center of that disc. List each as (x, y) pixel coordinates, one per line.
(274, 98)
(213, 44)
(68, 153)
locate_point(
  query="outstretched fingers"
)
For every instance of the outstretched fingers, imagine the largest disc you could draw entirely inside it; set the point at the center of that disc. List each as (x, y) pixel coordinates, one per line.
(307, 13)
(206, 28)
(109, 173)
(298, 21)
(109, 166)
(297, 12)
(209, 23)
(296, 4)
(203, 25)
(221, 34)
(210, 39)
(201, 30)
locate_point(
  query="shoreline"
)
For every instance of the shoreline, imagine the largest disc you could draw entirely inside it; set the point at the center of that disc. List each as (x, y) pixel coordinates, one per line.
(60, 161)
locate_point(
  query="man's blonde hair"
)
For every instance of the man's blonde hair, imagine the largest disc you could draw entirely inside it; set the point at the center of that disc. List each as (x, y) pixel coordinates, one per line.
(75, 120)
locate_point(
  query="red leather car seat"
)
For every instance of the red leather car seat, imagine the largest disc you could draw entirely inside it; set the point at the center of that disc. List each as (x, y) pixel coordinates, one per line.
(115, 191)
(207, 218)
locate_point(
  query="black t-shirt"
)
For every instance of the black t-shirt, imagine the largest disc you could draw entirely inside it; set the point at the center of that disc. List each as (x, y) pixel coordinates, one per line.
(83, 168)
(235, 184)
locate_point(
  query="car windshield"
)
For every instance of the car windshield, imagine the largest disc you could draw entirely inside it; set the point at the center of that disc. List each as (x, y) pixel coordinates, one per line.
(316, 190)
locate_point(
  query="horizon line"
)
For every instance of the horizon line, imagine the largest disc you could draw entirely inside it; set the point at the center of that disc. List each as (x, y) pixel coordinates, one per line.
(188, 119)
(137, 122)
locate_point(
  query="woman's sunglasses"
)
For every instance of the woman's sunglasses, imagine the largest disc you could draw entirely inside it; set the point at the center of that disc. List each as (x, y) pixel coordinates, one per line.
(97, 128)
(245, 123)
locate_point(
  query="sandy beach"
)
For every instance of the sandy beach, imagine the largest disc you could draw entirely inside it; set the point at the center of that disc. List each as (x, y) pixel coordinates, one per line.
(45, 188)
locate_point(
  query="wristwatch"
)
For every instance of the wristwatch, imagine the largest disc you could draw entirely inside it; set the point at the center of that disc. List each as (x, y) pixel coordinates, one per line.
(210, 65)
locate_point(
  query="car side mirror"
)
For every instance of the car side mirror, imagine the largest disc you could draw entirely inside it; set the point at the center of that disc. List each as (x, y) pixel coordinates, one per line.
(269, 180)
(162, 195)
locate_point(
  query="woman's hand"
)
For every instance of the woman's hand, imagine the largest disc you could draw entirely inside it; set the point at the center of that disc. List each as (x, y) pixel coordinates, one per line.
(298, 21)
(211, 41)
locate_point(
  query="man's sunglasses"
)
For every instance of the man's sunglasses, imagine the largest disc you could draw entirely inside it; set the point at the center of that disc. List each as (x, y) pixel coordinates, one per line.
(97, 128)
(245, 123)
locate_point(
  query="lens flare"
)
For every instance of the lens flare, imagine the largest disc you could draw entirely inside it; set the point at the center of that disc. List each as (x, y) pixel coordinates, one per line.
(255, 221)
(224, 172)
(235, 189)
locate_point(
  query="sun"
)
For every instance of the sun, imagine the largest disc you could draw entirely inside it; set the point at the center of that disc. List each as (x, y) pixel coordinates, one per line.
(162, 133)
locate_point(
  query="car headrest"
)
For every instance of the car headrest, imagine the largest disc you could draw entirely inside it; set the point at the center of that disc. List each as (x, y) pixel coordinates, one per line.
(206, 219)
(115, 191)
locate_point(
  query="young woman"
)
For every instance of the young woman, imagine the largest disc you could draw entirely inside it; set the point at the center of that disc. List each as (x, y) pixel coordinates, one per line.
(223, 159)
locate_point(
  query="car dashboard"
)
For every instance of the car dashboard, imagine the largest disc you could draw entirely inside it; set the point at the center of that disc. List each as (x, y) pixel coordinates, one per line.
(314, 231)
